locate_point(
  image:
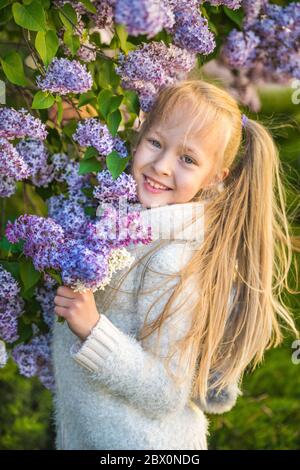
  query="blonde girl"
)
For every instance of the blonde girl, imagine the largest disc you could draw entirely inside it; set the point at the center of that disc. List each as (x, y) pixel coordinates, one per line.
(115, 388)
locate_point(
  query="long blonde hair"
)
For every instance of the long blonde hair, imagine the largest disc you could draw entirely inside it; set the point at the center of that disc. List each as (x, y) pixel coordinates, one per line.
(247, 243)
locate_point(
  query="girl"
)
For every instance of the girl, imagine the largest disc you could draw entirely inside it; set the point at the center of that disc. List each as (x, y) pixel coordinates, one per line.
(211, 296)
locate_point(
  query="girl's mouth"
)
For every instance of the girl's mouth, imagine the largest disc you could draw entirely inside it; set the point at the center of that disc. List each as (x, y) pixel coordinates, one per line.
(151, 189)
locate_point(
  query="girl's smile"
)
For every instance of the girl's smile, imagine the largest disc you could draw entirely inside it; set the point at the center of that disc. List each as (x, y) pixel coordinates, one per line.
(153, 186)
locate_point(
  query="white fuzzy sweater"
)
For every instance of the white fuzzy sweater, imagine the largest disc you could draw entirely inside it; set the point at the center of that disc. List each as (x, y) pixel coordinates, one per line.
(112, 391)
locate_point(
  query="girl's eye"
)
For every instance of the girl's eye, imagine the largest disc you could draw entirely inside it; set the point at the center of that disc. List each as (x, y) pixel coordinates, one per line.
(153, 140)
(186, 156)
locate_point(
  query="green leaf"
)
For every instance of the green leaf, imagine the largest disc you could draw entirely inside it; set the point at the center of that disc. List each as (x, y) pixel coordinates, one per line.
(24, 331)
(236, 16)
(108, 78)
(103, 99)
(132, 101)
(72, 41)
(13, 68)
(86, 98)
(60, 109)
(113, 122)
(13, 267)
(29, 275)
(4, 3)
(8, 247)
(116, 164)
(47, 45)
(115, 103)
(89, 6)
(90, 152)
(88, 166)
(56, 275)
(5, 15)
(122, 35)
(70, 128)
(42, 100)
(30, 16)
(68, 16)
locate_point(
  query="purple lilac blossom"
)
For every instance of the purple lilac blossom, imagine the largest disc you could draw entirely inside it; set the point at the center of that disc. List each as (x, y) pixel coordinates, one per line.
(68, 213)
(240, 48)
(19, 124)
(276, 30)
(64, 76)
(232, 4)
(153, 65)
(7, 186)
(45, 296)
(111, 190)
(11, 306)
(91, 132)
(11, 163)
(34, 153)
(191, 31)
(42, 236)
(34, 359)
(82, 268)
(143, 17)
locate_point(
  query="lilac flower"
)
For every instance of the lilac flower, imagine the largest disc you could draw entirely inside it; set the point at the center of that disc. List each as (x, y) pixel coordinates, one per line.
(153, 65)
(64, 76)
(9, 287)
(34, 359)
(191, 31)
(81, 268)
(119, 229)
(252, 9)
(11, 306)
(90, 132)
(87, 51)
(120, 147)
(11, 163)
(66, 170)
(111, 190)
(45, 296)
(68, 213)
(43, 177)
(233, 4)
(8, 325)
(143, 17)
(42, 237)
(240, 49)
(10, 311)
(271, 37)
(19, 123)
(7, 186)
(34, 153)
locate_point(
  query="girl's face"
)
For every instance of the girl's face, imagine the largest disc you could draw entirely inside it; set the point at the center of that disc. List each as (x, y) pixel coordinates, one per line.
(161, 156)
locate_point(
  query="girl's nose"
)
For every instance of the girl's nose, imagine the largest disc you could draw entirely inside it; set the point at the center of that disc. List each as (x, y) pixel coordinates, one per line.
(163, 165)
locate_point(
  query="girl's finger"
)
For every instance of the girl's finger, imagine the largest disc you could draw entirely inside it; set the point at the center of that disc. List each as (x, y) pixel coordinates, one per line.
(62, 301)
(61, 311)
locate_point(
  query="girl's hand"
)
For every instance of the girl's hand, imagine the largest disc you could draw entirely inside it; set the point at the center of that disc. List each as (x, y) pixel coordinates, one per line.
(78, 308)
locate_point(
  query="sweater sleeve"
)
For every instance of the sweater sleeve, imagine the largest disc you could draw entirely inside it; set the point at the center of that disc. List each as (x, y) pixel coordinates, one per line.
(131, 369)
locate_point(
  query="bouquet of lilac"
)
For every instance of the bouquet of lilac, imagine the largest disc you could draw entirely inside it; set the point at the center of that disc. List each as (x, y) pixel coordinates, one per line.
(85, 257)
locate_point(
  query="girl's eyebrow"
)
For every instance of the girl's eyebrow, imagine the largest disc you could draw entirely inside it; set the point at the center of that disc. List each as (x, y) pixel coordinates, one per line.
(190, 149)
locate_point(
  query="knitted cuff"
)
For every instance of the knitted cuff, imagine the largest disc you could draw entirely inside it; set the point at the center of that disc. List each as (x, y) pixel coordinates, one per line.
(102, 341)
